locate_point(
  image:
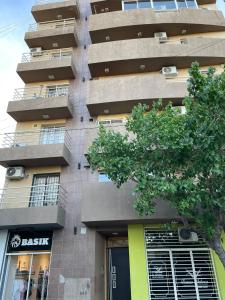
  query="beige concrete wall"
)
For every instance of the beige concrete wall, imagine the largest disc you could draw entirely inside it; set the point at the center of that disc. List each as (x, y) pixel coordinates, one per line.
(47, 83)
(181, 73)
(21, 188)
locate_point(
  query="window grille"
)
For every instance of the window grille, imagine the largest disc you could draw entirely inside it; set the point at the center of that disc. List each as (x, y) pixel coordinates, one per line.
(179, 271)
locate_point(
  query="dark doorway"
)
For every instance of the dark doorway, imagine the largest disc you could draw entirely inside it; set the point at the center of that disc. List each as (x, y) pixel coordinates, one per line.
(119, 274)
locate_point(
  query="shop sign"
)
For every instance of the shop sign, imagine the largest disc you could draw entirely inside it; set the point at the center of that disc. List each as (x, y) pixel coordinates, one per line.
(29, 241)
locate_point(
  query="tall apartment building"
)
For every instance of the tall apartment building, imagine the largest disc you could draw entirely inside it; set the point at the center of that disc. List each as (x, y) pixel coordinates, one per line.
(68, 233)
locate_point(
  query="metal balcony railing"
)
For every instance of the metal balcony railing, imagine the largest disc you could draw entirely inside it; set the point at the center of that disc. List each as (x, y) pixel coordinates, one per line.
(33, 196)
(46, 136)
(57, 24)
(58, 54)
(38, 2)
(41, 92)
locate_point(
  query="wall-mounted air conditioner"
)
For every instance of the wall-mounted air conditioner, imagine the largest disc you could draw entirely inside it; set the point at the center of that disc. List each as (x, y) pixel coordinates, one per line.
(169, 71)
(15, 173)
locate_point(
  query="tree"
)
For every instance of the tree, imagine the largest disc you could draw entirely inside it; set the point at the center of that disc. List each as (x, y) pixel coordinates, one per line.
(173, 156)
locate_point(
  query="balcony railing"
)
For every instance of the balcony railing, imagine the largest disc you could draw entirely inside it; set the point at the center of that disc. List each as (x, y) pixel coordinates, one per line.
(59, 54)
(46, 136)
(52, 25)
(41, 92)
(33, 196)
(38, 2)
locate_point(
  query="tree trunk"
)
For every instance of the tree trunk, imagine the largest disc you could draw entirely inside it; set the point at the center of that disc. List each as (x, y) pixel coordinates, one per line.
(216, 244)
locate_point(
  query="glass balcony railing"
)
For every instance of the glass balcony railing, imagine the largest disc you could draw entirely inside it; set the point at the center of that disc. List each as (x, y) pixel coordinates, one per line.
(159, 4)
(52, 194)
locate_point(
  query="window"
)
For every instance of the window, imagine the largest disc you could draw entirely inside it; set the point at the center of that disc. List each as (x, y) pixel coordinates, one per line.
(144, 4)
(127, 5)
(159, 4)
(103, 177)
(111, 122)
(164, 4)
(52, 134)
(176, 270)
(186, 4)
(57, 90)
(45, 190)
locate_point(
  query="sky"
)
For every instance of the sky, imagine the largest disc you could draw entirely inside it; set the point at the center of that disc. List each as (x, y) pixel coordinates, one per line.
(15, 17)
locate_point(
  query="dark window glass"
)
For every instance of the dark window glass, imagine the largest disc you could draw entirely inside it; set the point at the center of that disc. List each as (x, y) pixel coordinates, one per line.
(181, 4)
(130, 5)
(164, 4)
(191, 4)
(144, 4)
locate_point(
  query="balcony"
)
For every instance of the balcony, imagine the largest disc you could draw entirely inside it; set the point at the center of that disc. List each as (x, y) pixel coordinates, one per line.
(37, 103)
(105, 6)
(38, 207)
(148, 55)
(47, 65)
(105, 204)
(143, 23)
(47, 10)
(120, 94)
(52, 34)
(47, 147)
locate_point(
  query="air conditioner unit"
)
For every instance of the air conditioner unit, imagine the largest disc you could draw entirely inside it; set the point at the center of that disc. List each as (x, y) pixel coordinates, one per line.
(169, 71)
(36, 51)
(181, 109)
(187, 235)
(162, 36)
(15, 173)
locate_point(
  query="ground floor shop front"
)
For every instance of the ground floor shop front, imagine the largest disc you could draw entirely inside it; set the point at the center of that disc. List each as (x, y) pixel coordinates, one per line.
(141, 262)
(26, 266)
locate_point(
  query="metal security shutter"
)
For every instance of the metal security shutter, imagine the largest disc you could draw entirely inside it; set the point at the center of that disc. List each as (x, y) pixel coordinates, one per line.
(178, 271)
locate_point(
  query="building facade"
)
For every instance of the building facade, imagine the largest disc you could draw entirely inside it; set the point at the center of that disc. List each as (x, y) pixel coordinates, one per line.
(68, 233)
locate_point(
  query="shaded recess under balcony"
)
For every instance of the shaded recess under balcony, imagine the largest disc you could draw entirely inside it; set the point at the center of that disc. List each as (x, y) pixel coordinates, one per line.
(38, 207)
(47, 147)
(120, 94)
(47, 65)
(147, 55)
(47, 10)
(116, 206)
(105, 6)
(52, 34)
(143, 23)
(40, 102)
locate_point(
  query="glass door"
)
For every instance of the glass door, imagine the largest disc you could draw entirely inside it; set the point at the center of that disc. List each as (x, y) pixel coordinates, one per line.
(52, 135)
(17, 285)
(27, 277)
(45, 190)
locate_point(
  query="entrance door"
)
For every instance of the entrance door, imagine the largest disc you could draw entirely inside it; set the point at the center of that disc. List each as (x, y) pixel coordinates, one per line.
(119, 274)
(45, 190)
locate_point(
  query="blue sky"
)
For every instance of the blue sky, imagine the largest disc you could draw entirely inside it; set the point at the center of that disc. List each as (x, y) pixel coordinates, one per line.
(15, 14)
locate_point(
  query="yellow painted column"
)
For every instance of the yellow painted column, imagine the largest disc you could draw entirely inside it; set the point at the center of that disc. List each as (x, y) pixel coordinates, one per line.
(138, 265)
(220, 271)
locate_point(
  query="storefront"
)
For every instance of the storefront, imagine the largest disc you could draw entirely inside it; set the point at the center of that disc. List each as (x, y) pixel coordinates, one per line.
(26, 266)
(162, 267)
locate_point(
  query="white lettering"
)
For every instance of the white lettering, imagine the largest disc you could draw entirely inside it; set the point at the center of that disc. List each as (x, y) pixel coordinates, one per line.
(24, 242)
(30, 242)
(45, 241)
(36, 242)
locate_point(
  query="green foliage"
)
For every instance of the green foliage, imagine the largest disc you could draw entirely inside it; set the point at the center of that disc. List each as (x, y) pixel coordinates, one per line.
(179, 158)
